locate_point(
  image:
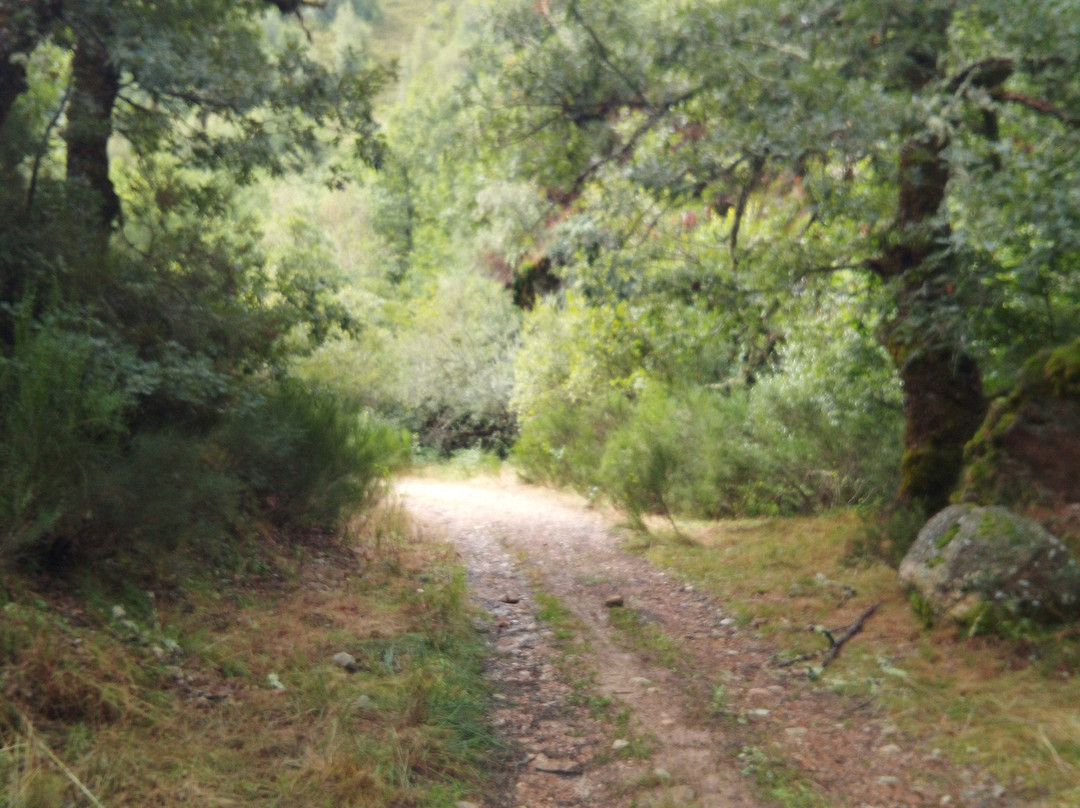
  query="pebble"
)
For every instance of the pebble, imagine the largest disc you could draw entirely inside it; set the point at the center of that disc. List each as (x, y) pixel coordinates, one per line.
(613, 601)
(888, 780)
(888, 749)
(344, 660)
(797, 733)
(621, 743)
(640, 681)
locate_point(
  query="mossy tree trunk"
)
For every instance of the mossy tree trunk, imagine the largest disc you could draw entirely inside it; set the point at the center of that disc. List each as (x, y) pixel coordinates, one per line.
(943, 395)
(943, 407)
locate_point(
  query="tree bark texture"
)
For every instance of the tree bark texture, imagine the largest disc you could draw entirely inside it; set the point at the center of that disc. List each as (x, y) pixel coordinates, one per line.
(943, 394)
(95, 85)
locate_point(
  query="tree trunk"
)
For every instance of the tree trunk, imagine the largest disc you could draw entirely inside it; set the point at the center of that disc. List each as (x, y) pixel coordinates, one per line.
(943, 395)
(943, 407)
(95, 85)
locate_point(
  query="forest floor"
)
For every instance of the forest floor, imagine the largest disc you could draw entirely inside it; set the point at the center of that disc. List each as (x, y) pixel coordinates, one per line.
(669, 699)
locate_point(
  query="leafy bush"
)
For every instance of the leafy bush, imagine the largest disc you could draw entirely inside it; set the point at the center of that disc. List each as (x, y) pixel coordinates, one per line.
(821, 431)
(169, 489)
(75, 476)
(309, 455)
(564, 443)
(458, 351)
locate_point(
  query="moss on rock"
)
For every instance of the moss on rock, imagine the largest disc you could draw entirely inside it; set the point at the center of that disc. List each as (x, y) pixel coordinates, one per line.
(1026, 452)
(971, 562)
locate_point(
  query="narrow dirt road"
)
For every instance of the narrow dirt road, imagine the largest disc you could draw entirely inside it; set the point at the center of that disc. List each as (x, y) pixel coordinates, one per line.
(685, 709)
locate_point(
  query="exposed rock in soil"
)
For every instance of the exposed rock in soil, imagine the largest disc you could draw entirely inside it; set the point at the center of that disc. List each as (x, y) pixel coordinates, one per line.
(968, 560)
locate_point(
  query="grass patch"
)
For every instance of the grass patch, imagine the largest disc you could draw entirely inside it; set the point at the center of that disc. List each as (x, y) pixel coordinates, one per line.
(464, 464)
(778, 782)
(1008, 705)
(224, 692)
(647, 638)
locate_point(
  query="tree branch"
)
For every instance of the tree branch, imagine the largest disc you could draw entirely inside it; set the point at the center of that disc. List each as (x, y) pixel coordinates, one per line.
(847, 634)
(757, 166)
(1042, 107)
(986, 75)
(627, 148)
(603, 51)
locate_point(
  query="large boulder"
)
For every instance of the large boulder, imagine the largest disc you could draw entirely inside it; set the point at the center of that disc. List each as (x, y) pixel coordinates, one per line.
(1027, 451)
(968, 559)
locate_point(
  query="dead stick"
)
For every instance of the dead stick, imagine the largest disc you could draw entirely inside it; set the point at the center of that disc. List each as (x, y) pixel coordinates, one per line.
(787, 663)
(849, 632)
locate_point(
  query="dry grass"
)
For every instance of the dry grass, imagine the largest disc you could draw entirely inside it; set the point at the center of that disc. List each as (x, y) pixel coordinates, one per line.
(224, 693)
(1009, 705)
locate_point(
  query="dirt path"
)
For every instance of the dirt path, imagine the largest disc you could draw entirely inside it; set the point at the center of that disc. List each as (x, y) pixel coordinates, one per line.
(599, 722)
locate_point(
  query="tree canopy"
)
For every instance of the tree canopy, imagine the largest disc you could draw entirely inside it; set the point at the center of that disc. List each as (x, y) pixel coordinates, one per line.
(726, 257)
(924, 152)
(142, 318)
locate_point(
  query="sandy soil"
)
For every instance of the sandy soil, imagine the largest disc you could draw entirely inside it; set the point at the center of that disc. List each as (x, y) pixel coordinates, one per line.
(686, 746)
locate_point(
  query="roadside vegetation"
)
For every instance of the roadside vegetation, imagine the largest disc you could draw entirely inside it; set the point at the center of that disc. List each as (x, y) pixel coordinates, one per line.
(1003, 703)
(220, 686)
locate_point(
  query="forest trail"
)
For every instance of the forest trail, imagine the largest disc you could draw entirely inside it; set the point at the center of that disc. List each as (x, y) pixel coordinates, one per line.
(665, 702)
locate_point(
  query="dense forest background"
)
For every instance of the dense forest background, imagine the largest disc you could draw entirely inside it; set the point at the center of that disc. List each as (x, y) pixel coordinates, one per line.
(710, 258)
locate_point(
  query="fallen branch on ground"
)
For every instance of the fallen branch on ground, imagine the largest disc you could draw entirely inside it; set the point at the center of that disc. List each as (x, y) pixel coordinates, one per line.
(836, 641)
(847, 634)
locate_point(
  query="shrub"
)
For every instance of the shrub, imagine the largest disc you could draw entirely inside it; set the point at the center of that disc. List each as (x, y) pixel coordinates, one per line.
(824, 430)
(61, 424)
(169, 489)
(458, 350)
(309, 455)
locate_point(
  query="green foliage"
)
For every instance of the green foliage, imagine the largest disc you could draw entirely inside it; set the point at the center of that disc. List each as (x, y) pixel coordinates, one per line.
(310, 456)
(728, 192)
(63, 418)
(455, 379)
(169, 490)
(811, 434)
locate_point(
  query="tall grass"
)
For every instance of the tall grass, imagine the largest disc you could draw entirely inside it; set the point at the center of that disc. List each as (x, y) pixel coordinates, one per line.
(227, 695)
(61, 425)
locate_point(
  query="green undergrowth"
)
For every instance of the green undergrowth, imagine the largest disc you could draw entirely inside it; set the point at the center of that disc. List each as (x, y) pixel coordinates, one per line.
(779, 782)
(1006, 704)
(222, 689)
(464, 464)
